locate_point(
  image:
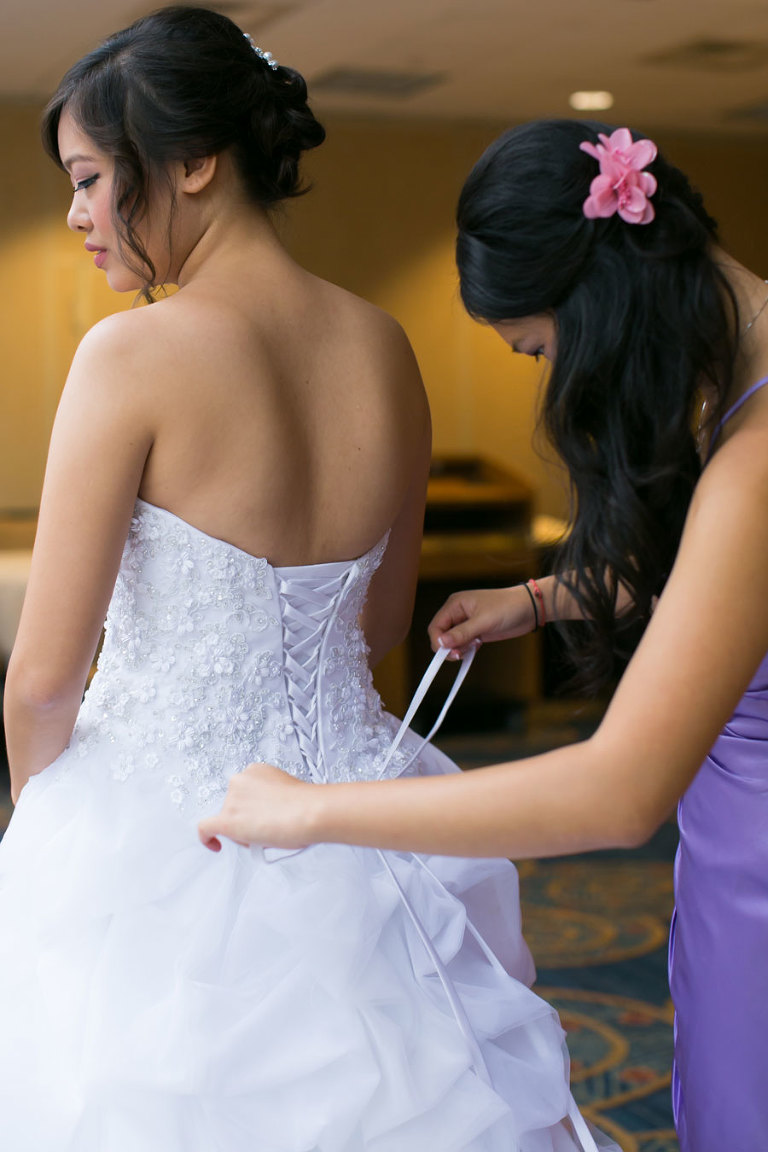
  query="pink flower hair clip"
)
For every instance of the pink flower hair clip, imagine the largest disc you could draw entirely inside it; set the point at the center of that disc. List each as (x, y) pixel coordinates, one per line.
(622, 186)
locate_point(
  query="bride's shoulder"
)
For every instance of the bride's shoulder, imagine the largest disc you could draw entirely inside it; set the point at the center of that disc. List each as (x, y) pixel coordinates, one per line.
(143, 339)
(112, 348)
(371, 337)
(126, 361)
(134, 331)
(354, 313)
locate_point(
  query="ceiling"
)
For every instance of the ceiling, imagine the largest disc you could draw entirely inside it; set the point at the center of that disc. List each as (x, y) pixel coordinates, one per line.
(684, 65)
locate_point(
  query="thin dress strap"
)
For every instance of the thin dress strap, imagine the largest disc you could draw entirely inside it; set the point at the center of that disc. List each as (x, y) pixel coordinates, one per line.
(733, 409)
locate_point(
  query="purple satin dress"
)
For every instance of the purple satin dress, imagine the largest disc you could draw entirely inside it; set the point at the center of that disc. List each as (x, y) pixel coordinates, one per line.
(719, 936)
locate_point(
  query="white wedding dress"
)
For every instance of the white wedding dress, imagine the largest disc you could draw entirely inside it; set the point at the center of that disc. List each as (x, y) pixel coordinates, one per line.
(157, 997)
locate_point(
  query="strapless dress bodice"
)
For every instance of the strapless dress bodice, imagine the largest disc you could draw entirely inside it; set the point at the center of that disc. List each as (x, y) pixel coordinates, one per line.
(213, 658)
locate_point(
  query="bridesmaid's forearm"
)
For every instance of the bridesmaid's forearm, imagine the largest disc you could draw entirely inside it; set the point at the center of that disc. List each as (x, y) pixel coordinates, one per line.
(553, 804)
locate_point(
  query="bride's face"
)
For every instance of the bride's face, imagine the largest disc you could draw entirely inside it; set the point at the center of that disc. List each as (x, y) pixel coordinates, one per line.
(92, 173)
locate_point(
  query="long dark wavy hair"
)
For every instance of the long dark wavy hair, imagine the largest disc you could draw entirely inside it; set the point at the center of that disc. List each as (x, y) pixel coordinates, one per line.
(181, 84)
(645, 320)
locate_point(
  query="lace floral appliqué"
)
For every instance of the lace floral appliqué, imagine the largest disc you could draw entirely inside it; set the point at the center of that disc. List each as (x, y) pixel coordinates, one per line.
(197, 676)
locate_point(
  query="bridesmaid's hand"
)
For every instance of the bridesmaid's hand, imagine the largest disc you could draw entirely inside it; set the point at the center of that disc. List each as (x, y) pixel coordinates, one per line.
(265, 806)
(483, 615)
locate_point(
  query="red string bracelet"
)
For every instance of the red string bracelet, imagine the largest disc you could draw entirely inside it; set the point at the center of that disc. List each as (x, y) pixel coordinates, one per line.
(541, 617)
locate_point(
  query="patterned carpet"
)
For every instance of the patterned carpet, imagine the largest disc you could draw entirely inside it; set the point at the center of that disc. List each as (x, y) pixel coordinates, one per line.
(597, 929)
(597, 926)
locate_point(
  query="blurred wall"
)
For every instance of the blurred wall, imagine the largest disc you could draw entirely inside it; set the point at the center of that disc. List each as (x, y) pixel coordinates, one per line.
(379, 220)
(50, 294)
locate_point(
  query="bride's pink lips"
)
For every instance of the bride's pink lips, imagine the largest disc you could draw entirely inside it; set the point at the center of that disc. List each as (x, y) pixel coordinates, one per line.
(101, 254)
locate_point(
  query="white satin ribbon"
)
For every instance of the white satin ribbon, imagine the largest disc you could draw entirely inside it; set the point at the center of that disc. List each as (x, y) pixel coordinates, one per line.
(435, 665)
(583, 1133)
(271, 855)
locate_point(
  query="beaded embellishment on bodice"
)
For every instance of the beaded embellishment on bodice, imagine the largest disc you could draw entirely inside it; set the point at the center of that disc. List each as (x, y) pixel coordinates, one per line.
(212, 659)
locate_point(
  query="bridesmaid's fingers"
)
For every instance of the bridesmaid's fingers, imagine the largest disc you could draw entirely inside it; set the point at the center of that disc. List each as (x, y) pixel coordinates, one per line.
(461, 638)
(458, 643)
(208, 839)
(239, 818)
(207, 830)
(452, 613)
(213, 828)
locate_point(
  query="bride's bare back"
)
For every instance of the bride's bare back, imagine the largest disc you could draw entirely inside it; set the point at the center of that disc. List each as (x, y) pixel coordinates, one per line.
(289, 415)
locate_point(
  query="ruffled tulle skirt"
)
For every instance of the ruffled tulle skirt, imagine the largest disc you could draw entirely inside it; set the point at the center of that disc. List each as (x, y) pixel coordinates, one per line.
(155, 997)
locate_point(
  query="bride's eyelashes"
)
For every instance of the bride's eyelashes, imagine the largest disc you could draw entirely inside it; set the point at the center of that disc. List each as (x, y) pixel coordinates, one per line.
(81, 184)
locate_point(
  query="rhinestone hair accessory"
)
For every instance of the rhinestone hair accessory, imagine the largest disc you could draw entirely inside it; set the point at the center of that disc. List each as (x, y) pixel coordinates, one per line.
(622, 185)
(267, 57)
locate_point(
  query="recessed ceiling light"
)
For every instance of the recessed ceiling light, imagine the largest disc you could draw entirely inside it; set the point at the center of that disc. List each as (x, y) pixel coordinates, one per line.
(591, 101)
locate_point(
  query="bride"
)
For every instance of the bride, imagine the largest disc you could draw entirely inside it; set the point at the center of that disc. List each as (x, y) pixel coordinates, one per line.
(236, 480)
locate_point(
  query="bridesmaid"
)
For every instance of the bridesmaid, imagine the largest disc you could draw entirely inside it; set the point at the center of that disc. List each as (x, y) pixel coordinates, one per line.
(584, 245)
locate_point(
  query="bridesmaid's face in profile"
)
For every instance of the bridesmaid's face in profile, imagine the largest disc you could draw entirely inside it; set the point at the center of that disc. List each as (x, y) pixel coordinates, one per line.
(530, 335)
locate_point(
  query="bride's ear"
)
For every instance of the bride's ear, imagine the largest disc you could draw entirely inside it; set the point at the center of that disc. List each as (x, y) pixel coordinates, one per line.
(197, 173)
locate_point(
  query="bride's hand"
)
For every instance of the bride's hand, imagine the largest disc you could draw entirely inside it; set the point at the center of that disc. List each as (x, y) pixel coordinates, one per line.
(263, 805)
(486, 614)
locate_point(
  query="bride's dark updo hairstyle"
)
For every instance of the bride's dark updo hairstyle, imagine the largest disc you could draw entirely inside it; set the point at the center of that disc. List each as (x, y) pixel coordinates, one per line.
(645, 319)
(180, 84)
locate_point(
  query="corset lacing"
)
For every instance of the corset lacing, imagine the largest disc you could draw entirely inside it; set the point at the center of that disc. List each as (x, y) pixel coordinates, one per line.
(308, 606)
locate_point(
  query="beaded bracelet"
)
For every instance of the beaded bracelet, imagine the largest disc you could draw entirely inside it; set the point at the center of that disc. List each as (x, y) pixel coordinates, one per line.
(537, 593)
(533, 605)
